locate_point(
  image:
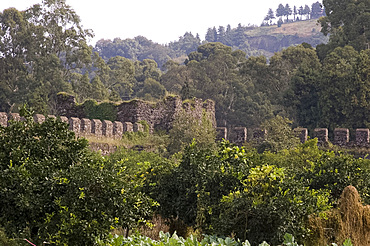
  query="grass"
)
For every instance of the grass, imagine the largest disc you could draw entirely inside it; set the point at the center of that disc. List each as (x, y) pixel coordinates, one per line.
(301, 28)
(156, 142)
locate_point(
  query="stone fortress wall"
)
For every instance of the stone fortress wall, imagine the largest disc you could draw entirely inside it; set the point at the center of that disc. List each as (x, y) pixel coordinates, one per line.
(85, 128)
(129, 115)
(161, 116)
(82, 127)
(341, 136)
(158, 115)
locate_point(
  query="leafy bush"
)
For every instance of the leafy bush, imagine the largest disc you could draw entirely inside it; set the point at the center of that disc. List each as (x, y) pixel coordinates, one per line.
(280, 135)
(335, 172)
(256, 196)
(187, 127)
(53, 188)
(232, 191)
(5, 241)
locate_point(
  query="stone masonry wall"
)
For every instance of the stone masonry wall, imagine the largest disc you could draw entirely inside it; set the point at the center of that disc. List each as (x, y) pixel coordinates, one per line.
(82, 127)
(97, 128)
(341, 136)
(158, 115)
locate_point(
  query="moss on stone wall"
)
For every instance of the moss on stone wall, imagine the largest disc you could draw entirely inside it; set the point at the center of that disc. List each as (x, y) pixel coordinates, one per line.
(102, 111)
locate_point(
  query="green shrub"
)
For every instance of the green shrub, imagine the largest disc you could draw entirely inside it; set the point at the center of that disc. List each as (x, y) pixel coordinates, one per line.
(5, 241)
(280, 135)
(187, 127)
(52, 188)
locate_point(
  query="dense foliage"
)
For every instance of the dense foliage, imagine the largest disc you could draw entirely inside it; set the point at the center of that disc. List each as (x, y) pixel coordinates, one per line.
(40, 49)
(53, 188)
(234, 191)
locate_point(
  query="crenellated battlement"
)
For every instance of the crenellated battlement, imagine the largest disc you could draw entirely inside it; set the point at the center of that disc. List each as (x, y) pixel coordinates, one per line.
(82, 127)
(159, 115)
(239, 135)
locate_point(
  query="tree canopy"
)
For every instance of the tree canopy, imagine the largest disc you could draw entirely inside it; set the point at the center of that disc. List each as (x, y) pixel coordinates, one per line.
(40, 49)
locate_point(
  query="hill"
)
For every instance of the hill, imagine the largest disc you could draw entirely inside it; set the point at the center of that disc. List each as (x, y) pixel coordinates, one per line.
(252, 40)
(305, 28)
(270, 39)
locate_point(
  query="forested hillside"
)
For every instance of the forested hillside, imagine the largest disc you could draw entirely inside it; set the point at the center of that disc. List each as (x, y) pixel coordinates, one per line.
(299, 25)
(253, 40)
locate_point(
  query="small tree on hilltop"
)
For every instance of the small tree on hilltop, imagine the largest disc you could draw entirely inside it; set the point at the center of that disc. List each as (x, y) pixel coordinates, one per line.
(287, 12)
(280, 11)
(270, 15)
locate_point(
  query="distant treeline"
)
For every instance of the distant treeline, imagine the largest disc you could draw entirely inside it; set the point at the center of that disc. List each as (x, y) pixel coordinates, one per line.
(140, 48)
(316, 11)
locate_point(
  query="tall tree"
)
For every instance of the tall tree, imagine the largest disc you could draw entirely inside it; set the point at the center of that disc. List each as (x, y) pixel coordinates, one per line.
(316, 10)
(344, 89)
(301, 98)
(214, 73)
(295, 12)
(307, 11)
(210, 36)
(301, 11)
(240, 36)
(348, 23)
(287, 11)
(121, 75)
(221, 35)
(280, 11)
(40, 49)
(270, 15)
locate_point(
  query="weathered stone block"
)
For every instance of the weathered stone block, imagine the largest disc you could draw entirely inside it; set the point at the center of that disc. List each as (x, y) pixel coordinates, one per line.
(103, 148)
(96, 127)
(3, 119)
(362, 136)
(52, 116)
(14, 116)
(107, 129)
(127, 127)
(221, 133)
(302, 134)
(75, 125)
(341, 136)
(85, 127)
(322, 135)
(137, 127)
(64, 119)
(39, 118)
(240, 135)
(117, 129)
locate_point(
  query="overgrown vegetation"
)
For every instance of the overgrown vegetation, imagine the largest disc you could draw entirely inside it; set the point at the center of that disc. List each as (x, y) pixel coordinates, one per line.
(101, 111)
(54, 189)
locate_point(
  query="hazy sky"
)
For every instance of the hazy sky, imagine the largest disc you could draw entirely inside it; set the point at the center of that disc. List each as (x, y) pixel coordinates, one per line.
(163, 20)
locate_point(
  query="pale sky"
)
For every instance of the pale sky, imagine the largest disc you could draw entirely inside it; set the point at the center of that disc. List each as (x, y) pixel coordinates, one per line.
(163, 21)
